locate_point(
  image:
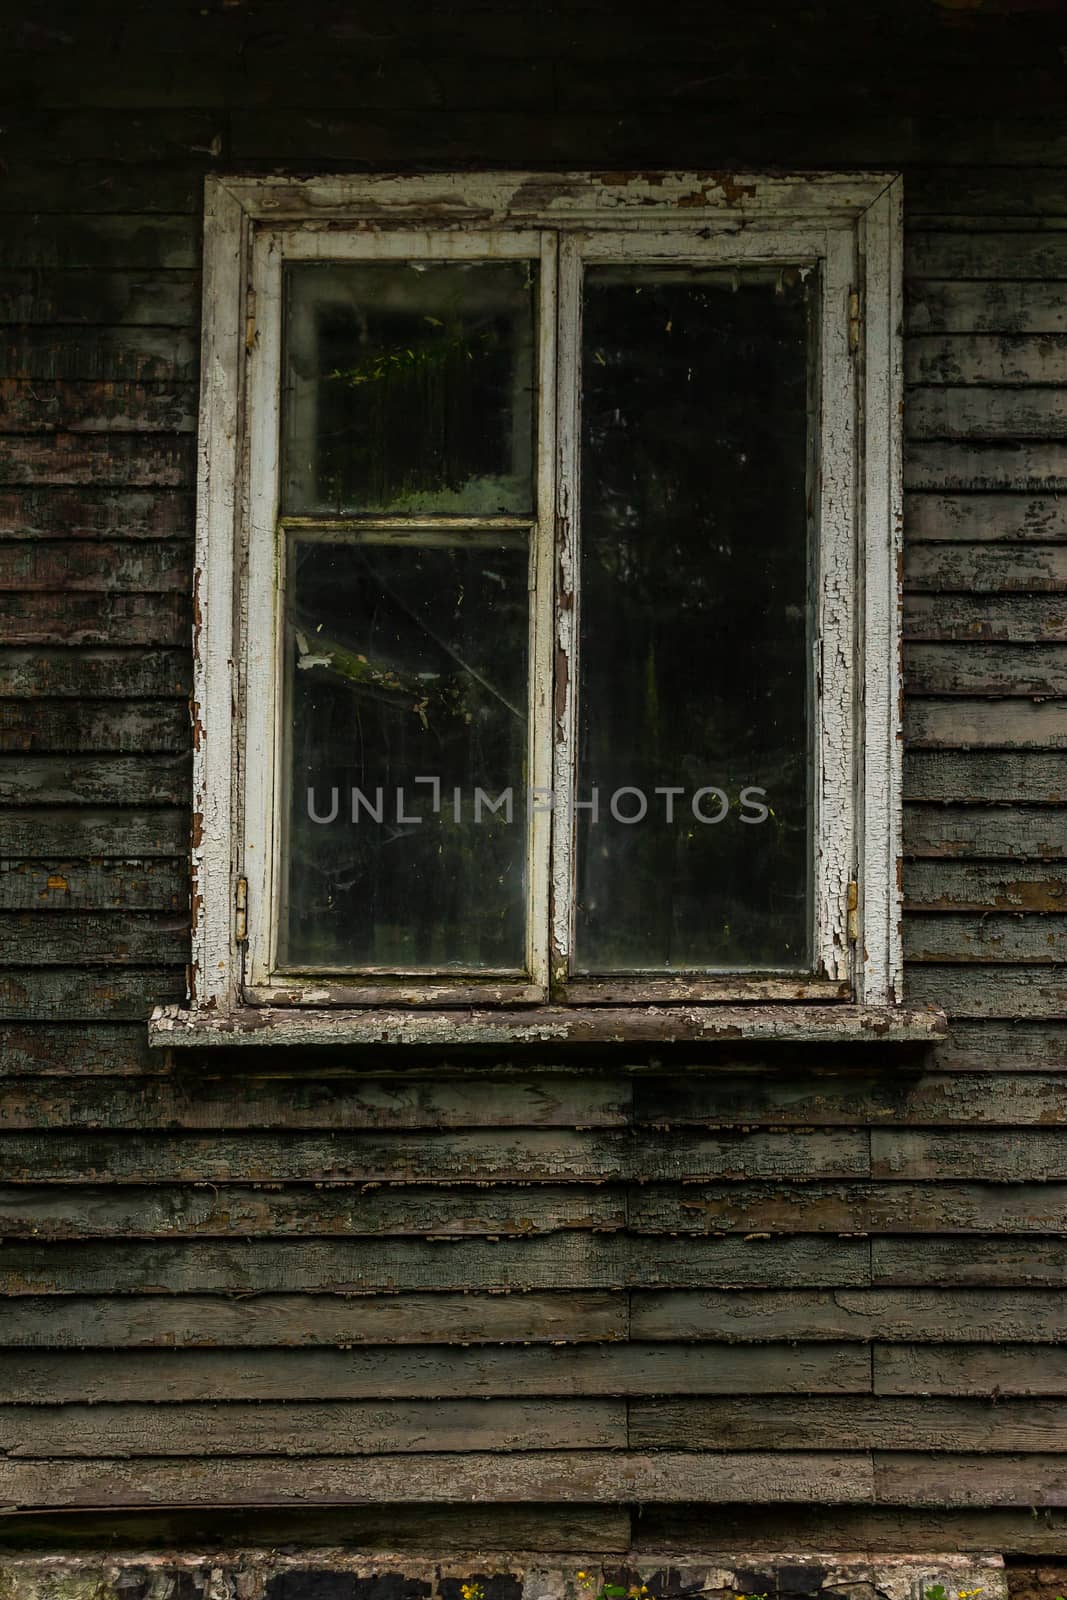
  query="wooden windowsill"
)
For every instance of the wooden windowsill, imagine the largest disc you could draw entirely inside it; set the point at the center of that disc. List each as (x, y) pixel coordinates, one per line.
(177, 1026)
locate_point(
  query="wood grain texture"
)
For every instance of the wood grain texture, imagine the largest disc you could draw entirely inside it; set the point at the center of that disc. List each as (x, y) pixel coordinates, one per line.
(460, 1155)
(944, 1316)
(987, 1262)
(183, 1212)
(858, 1423)
(432, 1372)
(588, 1476)
(970, 1369)
(348, 1266)
(1038, 777)
(960, 1480)
(338, 1428)
(305, 1322)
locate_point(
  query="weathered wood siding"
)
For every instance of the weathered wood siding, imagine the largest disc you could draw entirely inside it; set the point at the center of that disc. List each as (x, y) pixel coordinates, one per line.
(814, 1298)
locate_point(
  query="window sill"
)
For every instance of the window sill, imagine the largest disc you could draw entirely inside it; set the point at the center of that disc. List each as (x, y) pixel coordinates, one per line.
(178, 1027)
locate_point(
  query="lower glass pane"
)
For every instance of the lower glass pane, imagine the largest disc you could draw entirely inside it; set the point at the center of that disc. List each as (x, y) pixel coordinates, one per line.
(405, 724)
(694, 837)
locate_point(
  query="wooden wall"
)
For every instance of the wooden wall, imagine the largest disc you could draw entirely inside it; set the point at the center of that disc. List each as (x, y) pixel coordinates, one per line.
(615, 1302)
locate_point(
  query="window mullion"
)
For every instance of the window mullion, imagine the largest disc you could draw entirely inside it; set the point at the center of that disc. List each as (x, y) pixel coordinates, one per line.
(564, 718)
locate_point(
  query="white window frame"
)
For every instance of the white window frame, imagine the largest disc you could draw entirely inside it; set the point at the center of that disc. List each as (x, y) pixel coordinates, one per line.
(850, 224)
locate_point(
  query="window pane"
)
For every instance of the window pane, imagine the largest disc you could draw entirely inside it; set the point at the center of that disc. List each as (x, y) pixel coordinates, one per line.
(405, 700)
(409, 387)
(695, 619)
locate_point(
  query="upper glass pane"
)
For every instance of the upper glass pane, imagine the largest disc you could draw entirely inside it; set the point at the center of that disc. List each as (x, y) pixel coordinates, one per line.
(694, 767)
(409, 388)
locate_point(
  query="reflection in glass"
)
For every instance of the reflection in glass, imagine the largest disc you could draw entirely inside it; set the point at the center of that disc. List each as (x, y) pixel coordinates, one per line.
(696, 451)
(405, 696)
(408, 387)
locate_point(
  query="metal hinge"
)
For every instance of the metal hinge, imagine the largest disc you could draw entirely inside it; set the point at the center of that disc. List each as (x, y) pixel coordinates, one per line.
(852, 904)
(240, 921)
(250, 321)
(853, 321)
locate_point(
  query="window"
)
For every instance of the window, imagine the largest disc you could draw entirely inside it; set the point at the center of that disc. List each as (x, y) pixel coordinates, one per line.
(548, 592)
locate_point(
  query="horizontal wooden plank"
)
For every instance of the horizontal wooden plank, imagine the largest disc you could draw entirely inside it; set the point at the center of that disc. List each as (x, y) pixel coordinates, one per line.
(985, 1263)
(827, 1098)
(88, 725)
(102, 242)
(963, 886)
(352, 1428)
(95, 186)
(969, 1153)
(978, 358)
(202, 1099)
(977, 465)
(353, 1266)
(982, 412)
(96, 514)
(99, 832)
(528, 1155)
(719, 1100)
(859, 1423)
(1013, 307)
(163, 460)
(986, 669)
(96, 780)
(543, 1477)
(296, 1210)
(114, 295)
(1024, 1046)
(955, 722)
(62, 1211)
(56, 618)
(959, 1480)
(76, 674)
(1007, 517)
(303, 1321)
(971, 1369)
(853, 1208)
(942, 1315)
(1033, 619)
(426, 1528)
(986, 775)
(891, 1529)
(70, 994)
(401, 1372)
(148, 566)
(76, 938)
(43, 406)
(986, 568)
(989, 833)
(986, 938)
(988, 255)
(146, 885)
(1017, 196)
(108, 355)
(989, 991)
(63, 1049)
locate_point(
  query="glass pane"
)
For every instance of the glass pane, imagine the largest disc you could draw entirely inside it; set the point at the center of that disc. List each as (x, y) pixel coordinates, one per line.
(405, 722)
(409, 387)
(695, 620)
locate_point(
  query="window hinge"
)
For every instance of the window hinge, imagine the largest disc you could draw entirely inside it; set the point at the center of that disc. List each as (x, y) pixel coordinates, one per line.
(241, 911)
(250, 321)
(852, 906)
(853, 321)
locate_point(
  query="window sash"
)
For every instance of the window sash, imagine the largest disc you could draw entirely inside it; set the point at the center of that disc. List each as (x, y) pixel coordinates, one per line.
(553, 617)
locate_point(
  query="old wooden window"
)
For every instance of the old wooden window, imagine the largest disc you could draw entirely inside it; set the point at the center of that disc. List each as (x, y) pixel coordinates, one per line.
(548, 591)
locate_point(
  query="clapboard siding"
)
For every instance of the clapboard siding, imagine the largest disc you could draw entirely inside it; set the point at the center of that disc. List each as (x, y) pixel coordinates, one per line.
(556, 1280)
